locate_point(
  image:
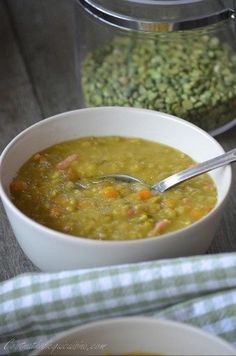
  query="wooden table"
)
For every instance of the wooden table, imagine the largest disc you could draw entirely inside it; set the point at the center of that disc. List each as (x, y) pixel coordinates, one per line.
(37, 80)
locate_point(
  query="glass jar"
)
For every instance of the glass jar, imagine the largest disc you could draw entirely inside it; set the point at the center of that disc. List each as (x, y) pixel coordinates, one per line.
(177, 57)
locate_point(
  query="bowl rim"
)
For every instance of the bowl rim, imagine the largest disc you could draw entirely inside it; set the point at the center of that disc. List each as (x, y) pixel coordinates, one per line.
(87, 240)
(129, 320)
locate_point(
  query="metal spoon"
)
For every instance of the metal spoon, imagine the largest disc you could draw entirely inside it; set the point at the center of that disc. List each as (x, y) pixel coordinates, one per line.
(179, 177)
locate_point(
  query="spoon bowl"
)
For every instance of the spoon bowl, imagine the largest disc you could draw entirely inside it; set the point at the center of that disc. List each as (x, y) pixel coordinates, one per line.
(176, 178)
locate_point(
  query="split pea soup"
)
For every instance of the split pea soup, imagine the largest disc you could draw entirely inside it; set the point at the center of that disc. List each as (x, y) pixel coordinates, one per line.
(46, 189)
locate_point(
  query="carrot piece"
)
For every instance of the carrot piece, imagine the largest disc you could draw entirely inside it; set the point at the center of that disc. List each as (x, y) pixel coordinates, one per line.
(196, 214)
(110, 192)
(17, 186)
(144, 194)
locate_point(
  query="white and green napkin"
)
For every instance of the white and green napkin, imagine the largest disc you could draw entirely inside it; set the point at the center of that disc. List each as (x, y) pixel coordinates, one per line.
(196, 290)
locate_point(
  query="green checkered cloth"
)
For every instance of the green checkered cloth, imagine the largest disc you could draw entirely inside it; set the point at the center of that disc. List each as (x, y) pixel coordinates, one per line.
(198, 290)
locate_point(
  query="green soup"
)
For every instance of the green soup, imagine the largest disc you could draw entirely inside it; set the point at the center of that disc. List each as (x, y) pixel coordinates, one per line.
(46, 189)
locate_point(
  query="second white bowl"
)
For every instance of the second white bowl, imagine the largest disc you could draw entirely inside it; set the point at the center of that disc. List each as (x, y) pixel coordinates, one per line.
(134, 336)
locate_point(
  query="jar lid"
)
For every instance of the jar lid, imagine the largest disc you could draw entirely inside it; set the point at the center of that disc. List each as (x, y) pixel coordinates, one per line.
(159, 15)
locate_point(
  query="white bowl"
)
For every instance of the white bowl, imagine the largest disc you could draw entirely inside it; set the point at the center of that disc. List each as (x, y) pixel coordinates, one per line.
(122, 336)
(53, 251)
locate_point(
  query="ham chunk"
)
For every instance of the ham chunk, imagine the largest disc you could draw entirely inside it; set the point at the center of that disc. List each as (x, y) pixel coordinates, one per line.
(66, 162)
(159, 227)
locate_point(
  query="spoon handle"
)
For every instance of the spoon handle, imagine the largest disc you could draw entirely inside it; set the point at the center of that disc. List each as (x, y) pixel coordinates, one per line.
(200, 168)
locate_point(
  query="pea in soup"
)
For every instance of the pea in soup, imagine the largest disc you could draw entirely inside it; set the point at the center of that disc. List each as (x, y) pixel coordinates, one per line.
(46, 189)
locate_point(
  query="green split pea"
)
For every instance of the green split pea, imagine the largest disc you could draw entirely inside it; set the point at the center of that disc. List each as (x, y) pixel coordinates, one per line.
(192, 79)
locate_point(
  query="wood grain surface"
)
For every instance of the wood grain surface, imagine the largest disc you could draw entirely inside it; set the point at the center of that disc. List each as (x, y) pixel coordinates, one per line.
(37, 80)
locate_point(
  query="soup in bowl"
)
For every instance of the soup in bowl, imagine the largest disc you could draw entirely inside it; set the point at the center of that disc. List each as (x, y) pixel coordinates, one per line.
(68, 187)
(60, 225)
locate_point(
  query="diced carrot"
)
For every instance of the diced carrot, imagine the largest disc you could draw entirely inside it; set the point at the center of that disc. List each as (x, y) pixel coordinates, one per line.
(196, 214)
(66, 162)
(159, 227)
(144, 194)
(17, 186)
(110, 192)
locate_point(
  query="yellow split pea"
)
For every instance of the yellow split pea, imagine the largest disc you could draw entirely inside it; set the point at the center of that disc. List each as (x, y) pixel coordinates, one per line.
(46, 189)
